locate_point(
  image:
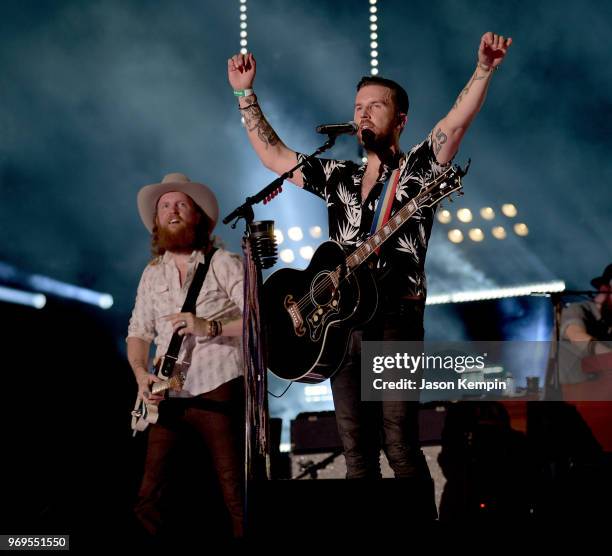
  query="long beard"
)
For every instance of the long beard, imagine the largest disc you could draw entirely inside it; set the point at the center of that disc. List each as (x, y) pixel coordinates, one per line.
(181, 239)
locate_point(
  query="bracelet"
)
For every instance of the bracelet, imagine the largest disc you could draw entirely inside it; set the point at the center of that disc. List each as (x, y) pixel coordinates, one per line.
(484, 67)
(244, 93)
(214, 328)
(249, 106)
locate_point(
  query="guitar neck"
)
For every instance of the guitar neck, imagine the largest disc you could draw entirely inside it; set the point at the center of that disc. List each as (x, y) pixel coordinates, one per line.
(361, 254)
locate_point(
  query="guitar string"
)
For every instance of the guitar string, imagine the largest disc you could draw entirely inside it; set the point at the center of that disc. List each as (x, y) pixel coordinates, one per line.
(325, 284)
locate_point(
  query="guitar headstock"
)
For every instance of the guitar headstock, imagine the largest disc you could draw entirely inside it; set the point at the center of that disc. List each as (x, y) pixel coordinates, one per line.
(445, 185)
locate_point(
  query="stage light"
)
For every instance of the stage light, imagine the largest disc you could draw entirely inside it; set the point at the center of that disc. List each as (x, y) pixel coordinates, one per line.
(295, 233)
(476, 234)
(278, 234)
(306, 252)
(287, 255)
(521, 229)
(444, 216)
(509, 210)
(243, 32)
(456, 236)
(464, 215)
(11, 295)
(496, 293)
(70, 291)
(316, 231)
(317, 393)
(499, 232)
(487, 213)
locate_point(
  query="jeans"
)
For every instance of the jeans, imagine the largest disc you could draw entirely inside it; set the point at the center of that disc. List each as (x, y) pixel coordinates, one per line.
(219, 430)
(366, 427)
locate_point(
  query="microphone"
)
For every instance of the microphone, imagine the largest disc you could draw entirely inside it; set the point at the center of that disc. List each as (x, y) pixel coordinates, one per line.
(338, 129)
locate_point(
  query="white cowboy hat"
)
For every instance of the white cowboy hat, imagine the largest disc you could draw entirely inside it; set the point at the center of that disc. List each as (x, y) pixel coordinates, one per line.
(200, 193)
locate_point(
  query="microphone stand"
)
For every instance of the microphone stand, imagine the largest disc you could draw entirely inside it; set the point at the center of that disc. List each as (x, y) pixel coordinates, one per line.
(243, 210)
(257, 433)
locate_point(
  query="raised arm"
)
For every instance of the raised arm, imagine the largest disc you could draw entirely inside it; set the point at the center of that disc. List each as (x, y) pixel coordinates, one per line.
(272, 152)
(449, 131)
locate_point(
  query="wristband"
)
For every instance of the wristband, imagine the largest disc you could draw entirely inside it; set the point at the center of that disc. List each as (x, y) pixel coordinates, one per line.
(244, 93)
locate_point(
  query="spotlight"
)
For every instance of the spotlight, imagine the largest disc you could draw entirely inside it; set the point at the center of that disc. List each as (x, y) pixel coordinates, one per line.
(487, 213)
(444, 216)
(509, 210)
(464, 215)
(456, 236)
(499, 232)
(295, 233)
(521, 229)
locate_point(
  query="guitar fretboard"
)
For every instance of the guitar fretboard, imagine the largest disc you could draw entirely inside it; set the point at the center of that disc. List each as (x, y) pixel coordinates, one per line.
(439, 188)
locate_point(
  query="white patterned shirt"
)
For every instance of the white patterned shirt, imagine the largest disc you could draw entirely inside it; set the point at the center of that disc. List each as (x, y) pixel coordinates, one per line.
(207, 362)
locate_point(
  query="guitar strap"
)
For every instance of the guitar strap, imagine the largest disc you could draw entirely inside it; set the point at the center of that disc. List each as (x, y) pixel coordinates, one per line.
(149, 413)
(176, 341)
(385, 202)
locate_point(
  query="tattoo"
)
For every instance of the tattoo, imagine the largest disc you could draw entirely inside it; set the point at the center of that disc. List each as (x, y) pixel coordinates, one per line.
(438, 140)
(465, 90)
(255, 121)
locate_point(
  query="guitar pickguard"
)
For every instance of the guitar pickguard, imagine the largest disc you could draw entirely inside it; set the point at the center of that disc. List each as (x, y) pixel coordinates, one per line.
(318, 318)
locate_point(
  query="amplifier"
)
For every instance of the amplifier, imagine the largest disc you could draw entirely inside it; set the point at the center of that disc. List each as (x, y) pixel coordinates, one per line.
(315, 432)
(318, 432)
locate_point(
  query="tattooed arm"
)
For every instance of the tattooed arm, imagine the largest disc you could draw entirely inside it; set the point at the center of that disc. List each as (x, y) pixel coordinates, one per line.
(272, 152)
(448, 133)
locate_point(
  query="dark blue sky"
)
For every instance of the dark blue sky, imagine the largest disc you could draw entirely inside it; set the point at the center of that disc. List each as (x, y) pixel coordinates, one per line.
(100, 98)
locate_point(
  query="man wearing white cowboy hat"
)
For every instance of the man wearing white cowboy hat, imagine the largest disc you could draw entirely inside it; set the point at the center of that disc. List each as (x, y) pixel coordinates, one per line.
(181, 215)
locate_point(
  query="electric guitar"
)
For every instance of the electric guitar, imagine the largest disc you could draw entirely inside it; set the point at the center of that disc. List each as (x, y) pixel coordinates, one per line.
(145, 413)
(311, 313)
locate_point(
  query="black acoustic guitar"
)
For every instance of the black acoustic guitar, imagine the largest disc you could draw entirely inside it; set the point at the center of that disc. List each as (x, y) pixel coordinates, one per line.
(311, 313)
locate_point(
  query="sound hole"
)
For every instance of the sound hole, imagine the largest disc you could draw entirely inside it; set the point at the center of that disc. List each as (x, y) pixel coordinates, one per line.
(321, 289)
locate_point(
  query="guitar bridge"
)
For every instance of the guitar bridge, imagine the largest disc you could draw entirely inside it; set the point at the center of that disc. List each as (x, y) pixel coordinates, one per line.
(295, 314)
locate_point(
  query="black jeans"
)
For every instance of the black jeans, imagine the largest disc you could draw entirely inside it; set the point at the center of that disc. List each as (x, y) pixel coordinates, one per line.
(366, 427)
